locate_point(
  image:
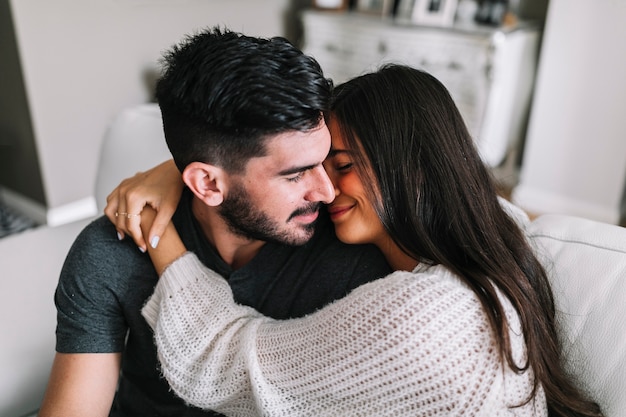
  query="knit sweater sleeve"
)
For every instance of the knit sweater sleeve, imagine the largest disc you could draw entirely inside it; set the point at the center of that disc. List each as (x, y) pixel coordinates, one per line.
(408, 344)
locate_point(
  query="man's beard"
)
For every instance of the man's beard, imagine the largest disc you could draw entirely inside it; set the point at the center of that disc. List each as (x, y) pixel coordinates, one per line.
(245, 220)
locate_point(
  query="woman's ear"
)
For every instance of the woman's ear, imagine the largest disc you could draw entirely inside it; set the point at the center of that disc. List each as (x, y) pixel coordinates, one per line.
(206, 181)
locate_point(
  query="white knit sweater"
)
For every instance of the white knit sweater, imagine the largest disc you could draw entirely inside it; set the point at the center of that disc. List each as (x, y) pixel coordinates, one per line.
(410, 344)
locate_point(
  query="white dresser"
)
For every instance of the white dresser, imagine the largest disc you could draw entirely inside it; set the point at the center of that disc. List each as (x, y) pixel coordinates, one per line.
(489, 72)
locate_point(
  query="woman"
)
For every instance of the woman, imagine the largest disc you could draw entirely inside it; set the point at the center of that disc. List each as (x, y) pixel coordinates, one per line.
(465, 326)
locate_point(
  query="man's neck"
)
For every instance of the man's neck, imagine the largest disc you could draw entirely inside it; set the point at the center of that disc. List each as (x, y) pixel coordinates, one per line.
(235, 250)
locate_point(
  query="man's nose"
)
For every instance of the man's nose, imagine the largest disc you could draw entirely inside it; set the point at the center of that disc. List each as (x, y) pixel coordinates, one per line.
(323, 189)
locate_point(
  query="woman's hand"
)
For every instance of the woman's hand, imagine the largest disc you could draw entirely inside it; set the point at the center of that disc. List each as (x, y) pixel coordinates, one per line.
(160, 188)
(171, 246)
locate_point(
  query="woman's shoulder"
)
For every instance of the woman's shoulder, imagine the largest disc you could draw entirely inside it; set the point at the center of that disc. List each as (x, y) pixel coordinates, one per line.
(433, 283)
(430, 295)
(441, 287)
(454, 294)
(453, 329)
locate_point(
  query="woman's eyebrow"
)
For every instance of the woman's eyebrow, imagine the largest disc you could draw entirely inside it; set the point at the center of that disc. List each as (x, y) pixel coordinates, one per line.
(335, 152)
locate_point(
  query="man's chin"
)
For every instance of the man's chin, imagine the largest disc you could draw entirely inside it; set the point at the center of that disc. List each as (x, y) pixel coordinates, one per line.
(299, 237)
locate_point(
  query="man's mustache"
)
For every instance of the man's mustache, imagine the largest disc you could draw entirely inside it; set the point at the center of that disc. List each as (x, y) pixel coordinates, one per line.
(312, 208)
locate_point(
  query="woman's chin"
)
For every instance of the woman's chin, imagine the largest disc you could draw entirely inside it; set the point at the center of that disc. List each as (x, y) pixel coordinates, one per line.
(348, 237)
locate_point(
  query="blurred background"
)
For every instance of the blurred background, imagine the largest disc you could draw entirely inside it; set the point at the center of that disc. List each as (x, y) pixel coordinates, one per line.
(541, 84)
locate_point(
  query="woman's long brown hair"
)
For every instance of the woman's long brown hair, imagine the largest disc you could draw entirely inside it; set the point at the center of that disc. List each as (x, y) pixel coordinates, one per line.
(439, 203)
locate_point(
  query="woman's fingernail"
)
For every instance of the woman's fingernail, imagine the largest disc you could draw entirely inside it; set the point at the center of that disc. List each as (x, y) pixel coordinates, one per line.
(142, 249)
(120, 236)
(154, 242)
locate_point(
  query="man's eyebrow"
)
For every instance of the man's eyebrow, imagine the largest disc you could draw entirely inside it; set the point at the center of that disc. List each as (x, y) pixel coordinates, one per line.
(296, 170)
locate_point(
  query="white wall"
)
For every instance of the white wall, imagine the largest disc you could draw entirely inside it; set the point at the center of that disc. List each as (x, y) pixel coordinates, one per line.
(84, 60)
(575, 155)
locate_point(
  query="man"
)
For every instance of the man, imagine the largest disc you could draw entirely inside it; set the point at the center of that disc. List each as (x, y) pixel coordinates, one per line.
(243, 118)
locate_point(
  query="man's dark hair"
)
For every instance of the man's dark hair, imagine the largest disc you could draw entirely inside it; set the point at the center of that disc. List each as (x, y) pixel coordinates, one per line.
(222, 93)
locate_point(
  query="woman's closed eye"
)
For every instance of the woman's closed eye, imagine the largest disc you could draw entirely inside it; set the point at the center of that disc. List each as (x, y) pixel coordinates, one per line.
(338, 164)
(344, 167)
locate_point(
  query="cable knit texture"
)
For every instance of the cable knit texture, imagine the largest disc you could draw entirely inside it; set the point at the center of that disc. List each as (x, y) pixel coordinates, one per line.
(410, 344)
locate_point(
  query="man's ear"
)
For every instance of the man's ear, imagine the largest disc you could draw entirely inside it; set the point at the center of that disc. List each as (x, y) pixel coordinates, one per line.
(206, 181)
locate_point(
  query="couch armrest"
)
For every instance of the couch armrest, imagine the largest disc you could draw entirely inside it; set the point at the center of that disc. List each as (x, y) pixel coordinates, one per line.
(586, 263)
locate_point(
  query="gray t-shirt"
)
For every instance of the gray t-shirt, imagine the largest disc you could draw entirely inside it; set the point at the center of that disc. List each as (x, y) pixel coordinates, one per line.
(105, 282)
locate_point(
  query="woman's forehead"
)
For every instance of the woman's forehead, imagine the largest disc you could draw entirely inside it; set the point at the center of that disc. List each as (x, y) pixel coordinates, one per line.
(336, 135)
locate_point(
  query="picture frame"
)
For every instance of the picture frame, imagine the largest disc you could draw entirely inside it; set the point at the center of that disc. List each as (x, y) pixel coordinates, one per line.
(330, 4)
(434, 12)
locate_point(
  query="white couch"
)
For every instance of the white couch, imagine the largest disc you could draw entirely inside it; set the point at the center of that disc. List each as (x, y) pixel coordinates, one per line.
(30, 263)
(586, 261)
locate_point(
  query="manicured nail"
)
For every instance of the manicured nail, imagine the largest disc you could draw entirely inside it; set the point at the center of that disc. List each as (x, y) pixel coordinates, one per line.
(143, 250)
(120, 236)
(154, 242)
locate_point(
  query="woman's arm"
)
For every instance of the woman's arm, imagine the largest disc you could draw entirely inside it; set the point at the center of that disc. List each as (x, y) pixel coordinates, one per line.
(405, 344)
(160, 188)
(170, 247)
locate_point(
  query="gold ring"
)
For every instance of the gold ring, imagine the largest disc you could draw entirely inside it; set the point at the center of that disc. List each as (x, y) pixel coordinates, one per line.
(127, 215)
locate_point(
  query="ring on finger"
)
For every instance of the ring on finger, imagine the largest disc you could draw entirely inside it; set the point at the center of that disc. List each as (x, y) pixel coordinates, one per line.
(127, 215)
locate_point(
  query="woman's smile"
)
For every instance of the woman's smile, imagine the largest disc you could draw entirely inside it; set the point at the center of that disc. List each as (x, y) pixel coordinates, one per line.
(336, 212)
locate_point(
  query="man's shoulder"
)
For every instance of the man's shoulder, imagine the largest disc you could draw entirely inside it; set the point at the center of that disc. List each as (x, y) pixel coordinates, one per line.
(100, 237)
(101, 288)
(101, 271)
(98, 251)
(99, 227)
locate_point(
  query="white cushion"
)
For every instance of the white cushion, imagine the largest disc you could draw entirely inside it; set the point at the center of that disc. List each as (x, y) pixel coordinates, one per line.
(586, 263)
(133, 142)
